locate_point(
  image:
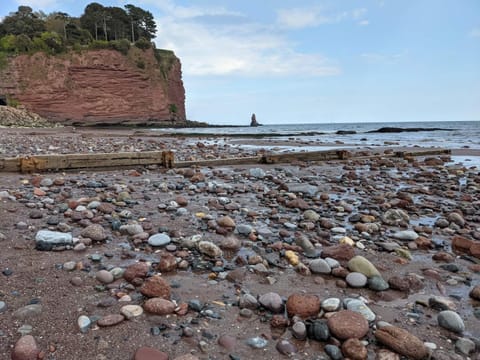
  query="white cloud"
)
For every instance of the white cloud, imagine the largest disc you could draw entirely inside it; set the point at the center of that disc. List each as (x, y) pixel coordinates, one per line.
(384, 58)
(299, 18)
(228, 48)
(237, 50)
(475, 32)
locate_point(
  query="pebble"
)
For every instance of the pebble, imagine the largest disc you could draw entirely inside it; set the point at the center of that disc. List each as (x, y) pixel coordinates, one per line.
(320, 266)
(271, 301)
(210, 249)
(377, 283)
(47, 240)
(104, 276)
(333, 352)
(95, 232)
(354, 349)
(356, 280)
(362, 265)
(450, 320)
(257, 342)
(285, 347)
(83, 323)
(402, 342)
(360, 307)
(28, 311)
(110, 320)
(406, 235)
(3, 306)
(25, 348)
(131, 311)
(159, 240)
(227, 341)
(159, 306)
(465, 346)
(147, 353)
(303, 306)
(318, 330)
(475, 293)
(299, 330)
(331, 304)
(156, 286)
(347, 324)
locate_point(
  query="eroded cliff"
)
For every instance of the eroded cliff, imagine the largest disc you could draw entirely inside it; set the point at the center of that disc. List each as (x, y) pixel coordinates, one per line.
(98, 87)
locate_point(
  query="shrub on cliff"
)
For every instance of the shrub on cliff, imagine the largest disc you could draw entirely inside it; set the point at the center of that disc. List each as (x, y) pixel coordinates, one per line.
(122, 45)
(143, 44)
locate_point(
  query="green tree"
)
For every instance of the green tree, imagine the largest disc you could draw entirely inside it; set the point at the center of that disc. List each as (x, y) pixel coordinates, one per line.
(92, 19)
(142, 23)
(23, 22)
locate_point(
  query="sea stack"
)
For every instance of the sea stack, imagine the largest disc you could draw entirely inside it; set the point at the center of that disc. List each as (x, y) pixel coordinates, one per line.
(254, 122)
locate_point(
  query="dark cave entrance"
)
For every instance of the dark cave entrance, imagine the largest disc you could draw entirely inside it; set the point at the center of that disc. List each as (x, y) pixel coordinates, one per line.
(3, 100)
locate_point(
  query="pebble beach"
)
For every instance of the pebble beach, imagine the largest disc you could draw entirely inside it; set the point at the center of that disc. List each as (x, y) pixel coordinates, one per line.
(371, 258)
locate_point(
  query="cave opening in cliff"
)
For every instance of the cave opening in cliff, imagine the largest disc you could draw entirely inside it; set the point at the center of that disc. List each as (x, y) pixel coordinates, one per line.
(3, 100)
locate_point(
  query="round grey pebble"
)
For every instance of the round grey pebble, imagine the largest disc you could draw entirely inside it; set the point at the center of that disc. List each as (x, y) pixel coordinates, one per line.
(377, 283)
(3, 306)
(334, 352)
(356, 280)
(450, 320)
(159, 240)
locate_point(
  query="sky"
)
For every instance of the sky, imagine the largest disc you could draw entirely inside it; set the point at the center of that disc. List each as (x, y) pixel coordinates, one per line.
(324, 61)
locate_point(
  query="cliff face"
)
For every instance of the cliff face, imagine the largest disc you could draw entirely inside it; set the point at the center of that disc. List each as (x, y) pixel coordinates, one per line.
(98, 87)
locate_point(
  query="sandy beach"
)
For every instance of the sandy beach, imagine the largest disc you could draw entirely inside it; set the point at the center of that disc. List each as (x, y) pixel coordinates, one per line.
(364, 258)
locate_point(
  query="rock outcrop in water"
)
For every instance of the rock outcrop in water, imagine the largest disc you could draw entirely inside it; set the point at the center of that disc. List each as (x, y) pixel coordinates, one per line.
(98, 87)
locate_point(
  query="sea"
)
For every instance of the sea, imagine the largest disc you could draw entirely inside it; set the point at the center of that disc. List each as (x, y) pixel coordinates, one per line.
(445, 134)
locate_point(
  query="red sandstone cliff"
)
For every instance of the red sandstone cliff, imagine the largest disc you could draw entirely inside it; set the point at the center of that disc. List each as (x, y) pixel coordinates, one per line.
(98, 86)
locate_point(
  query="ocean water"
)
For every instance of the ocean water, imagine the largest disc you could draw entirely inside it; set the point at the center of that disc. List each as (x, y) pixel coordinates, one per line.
(456, 134)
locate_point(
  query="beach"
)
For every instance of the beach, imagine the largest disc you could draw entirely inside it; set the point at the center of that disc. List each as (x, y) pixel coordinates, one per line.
(308, 260)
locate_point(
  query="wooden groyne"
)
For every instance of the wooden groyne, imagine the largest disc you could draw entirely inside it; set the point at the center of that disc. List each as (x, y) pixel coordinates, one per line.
(55, 162)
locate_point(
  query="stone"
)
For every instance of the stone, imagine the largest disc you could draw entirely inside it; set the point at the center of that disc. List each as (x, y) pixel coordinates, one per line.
(405, 235)
(354, 349)
(342, 252)
(146, 353)
(25, 348)
(318, 330)
(257, 173)
(362, 265)
(402, 342)
(450, 320)
(158, 240)
(303, 305)
(156, 287)
(244, 229)
(394, 217)
(384, 354)
(333, 352)
(104, 276)
(226, 221)
(377, 283)
(356, 280)
(209, 248)
(456, 218)
(227, 341)
(271, 301)
(46, 240)
(409, 283)
(159, 306)
(285, 347)
(131, 311)
(3, 306)
(347, 324)
(167, 263)
(248, 301)
(28, 311)
(299, 330)
(311, 215)
(136, 271)
(110, 320)
(96, 232)
(320, 266)
(331, 304)
(475, 293)
(257, 342)
(465, 346)
(441, 303)
(360, 307)
(131, 229)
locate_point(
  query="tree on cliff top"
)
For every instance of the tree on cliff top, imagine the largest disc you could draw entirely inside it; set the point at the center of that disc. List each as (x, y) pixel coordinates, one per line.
(22, 22)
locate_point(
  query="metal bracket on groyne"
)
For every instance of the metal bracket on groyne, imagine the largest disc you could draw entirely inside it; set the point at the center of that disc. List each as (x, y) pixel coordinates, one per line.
(53, 162)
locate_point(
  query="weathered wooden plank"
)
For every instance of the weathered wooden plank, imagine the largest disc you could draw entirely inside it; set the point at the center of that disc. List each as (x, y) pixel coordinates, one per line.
(166, 158)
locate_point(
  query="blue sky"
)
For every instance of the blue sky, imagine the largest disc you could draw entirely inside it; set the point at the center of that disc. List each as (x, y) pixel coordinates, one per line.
(326, 61)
